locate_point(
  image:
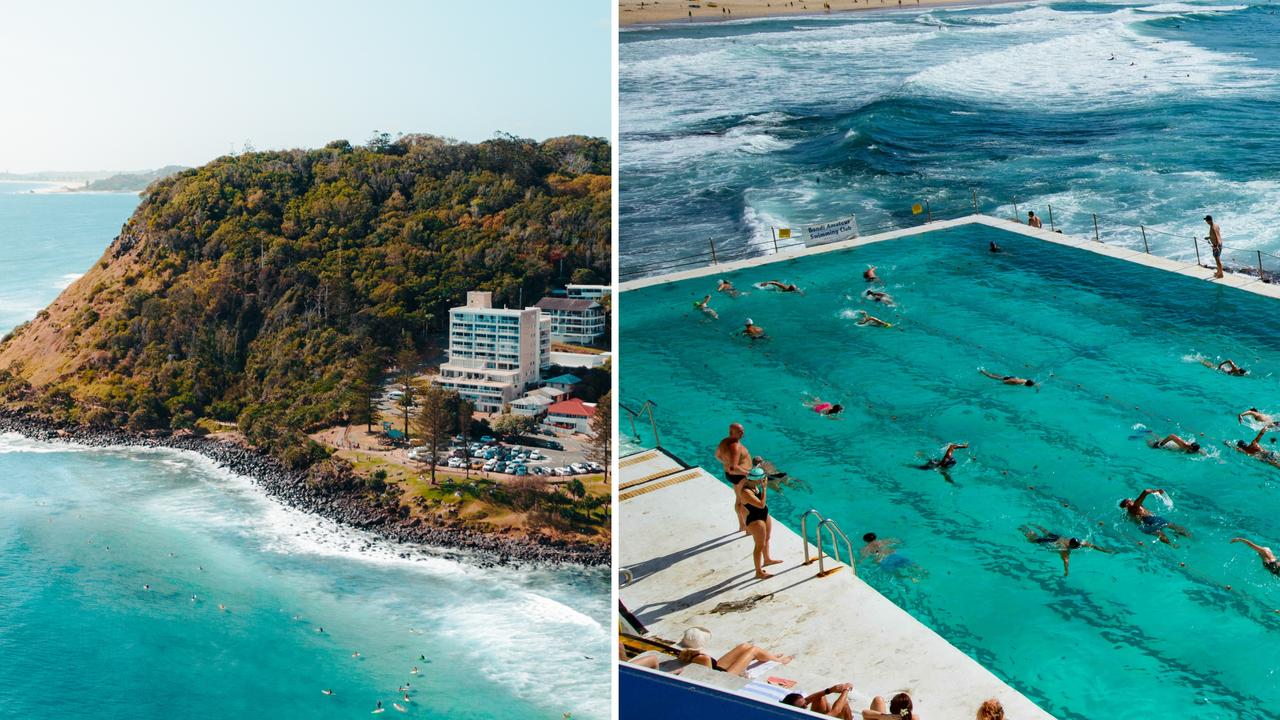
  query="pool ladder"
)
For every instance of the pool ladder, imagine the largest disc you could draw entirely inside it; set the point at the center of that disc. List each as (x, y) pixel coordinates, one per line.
(647, 407)
(836, 534)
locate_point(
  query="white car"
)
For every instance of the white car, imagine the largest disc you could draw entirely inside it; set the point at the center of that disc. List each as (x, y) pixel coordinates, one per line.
(578, 468)
(455, 462)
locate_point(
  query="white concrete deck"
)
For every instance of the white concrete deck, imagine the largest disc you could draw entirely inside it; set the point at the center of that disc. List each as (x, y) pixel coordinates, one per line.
(680, 543)
(1248, 283)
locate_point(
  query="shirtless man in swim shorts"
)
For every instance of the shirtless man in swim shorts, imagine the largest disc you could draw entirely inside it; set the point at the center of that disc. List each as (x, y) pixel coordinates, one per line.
(1187, 446)
(1254, 449)
(1149, 522)
(784, 287)
(880, 297)
(865, 318)
(752, 330)
(870, 274)
(727, 288)
(1227, 366)
(1254, 414)
(1063, 545)
(1215, 242)
(735, 458)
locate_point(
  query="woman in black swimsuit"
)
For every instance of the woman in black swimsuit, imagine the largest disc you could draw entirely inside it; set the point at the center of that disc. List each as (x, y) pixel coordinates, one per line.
(759, 525)
(734, 662)
(1269, 559)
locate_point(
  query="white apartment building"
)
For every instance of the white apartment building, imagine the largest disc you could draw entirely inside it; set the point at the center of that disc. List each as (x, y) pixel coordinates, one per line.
(586, 292)
(579, 321)
(495, 354)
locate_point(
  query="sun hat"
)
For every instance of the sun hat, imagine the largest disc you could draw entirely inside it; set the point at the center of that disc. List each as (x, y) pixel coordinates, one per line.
(757, 473)
(695, 638)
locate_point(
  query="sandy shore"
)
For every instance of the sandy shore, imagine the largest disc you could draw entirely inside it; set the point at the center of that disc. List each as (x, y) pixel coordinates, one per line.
(634, 12)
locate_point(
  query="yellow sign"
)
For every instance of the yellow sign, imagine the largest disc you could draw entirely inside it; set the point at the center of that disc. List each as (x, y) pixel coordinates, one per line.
(784, 233)
(917, 209)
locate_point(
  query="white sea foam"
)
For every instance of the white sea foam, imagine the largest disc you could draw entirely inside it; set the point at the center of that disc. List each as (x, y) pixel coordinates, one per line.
(1188, 9)
(65, 281)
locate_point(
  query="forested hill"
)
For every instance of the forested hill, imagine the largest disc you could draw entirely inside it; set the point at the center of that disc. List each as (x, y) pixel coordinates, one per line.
(266, 288)
(131, 182)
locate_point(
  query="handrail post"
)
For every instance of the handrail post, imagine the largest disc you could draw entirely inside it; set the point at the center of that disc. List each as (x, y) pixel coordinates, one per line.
(804, 530)
(774, 231)
(1016, 216)
(1096, 237)
(713, 251)
(974, 193)
(1051, 227)
(653, 424)
(928, 213)
(1145, 247)
(1260, 265)
(1195, 240)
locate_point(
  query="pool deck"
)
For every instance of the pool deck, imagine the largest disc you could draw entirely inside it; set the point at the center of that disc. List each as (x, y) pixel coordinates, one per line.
(686, 559)
(1248, 283)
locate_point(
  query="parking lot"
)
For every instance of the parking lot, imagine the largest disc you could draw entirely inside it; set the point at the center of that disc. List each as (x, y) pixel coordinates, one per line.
(506, 459)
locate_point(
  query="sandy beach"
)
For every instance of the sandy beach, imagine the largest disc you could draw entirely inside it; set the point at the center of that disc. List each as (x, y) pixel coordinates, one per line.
(639, 13)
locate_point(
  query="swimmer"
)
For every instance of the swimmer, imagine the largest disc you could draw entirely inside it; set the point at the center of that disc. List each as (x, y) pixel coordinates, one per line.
(1253, 449)
(947, 460)
(1062, 544)
(993, 247)
(825, 408)
(752, 330)
(222, 607)
(1032, 220)
(422, 657)
(320, 630)
(727, 288)
(1187, 446)
(870, 274)
(146, 587)
(702, 305)
(1149, 522)
(877, 296)
(784, 287)
(1254, 414)
(771, 471)
(200, 568)
(1227, 366)
(327, 691)
(865, 318)
(1269, 560)
(1008, 379)
(885, 553)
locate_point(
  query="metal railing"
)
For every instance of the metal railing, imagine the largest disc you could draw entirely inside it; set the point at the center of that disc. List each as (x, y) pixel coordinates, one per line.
(1101, 228)
(646, 408)
(836, 535)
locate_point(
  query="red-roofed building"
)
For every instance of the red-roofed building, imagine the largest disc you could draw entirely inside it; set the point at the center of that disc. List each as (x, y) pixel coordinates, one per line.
(571, 414)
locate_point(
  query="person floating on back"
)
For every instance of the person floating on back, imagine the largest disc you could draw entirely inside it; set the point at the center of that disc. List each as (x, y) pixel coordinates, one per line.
(1008, 379)
(752, 330)
(1215, 242)
(1032, 220)
(1149, 522)
(1269, 560)
(1063, 545)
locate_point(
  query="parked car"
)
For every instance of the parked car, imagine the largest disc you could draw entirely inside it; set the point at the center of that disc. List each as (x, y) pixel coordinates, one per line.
(522, 470)
(456, 462)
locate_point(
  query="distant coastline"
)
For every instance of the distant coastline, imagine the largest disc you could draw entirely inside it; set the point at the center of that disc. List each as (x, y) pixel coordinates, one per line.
(291, 488)
(630, 14)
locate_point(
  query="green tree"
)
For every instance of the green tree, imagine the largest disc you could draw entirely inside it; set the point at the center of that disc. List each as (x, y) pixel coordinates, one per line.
(600, 449)
(465, 410)
(407, 383)
(511, 424)
(435, 420)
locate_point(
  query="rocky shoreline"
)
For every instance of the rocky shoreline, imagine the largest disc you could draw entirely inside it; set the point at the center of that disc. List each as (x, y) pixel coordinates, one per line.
(291, 487)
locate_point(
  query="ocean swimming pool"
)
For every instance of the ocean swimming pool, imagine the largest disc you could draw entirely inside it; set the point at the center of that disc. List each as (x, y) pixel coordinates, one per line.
(1114, 348)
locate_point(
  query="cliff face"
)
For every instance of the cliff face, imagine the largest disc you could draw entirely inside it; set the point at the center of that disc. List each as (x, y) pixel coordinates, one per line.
(267, 288)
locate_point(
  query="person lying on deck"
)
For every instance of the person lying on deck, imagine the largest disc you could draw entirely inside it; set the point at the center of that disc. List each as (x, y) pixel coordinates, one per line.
(1008, 379)
(817, 702)
(899, 708)
(1187, 446)
(735, 662)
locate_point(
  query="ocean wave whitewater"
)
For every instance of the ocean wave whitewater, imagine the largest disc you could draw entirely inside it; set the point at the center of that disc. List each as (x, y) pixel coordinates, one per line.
(1151, 113)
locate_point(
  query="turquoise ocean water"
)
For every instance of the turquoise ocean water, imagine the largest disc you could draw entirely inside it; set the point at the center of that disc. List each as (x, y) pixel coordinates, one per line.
(1115, 349)
(82, 531)
(1143, 112)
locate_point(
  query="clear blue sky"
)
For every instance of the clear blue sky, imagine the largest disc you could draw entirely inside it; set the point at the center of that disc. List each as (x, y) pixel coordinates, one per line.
(89, 85)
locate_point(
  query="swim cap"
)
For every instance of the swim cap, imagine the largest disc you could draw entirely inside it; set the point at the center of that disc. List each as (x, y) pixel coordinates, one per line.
(757, 473)
(749, 322)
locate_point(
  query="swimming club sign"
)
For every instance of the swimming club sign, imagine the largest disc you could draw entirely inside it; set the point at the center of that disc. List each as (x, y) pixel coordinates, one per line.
(830, 232)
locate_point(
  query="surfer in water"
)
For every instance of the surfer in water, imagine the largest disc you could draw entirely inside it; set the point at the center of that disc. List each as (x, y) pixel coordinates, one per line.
(1063, 545)
(1149, 522)
(1008, 379)
(327, 691)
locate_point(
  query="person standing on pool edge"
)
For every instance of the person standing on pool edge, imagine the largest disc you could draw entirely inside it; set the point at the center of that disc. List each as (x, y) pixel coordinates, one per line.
(1032, 220)
(1215, 240)
(735, 458)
